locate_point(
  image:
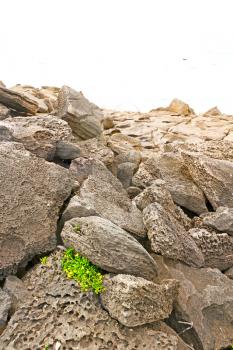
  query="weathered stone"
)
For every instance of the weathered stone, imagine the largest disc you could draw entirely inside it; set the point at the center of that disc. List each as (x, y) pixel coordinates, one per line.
(108, 246)
(32, 192)
(77, 208)
(5, 305)
(134, 301)
(168, 236)
(38, 134)
(5, 133)
(214, 111)
(4, 112)
(83, 116)
(97, 149)
(120, 143)
(216, 248)
(67, 150)
(205, 303)
(104, 193)
(180, 107)
(108, 123)
(134, 157)
(147, 173)
(221, 220)
(16, 289)
(213, 176)
(63, 315)
(125, 172)
(229, 273)
(28, 92)
(133, 191)
(18, 101)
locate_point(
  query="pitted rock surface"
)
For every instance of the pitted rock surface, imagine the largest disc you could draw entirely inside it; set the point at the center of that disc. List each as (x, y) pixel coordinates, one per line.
(58, 313)
(32, 193)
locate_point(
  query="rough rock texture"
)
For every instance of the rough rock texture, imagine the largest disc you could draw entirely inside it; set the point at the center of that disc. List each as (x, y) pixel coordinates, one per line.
(97, 149)
(120, 143)
(105, 194)
(229, 273)
(29, 93)
(67, 150)
(108, 246)
(77, 208)
(180, 107)
(169, 237)
(39, 134)
(171, 168)
(18, 101)
(32, 192)
(17, 291)
(83, 117)
(60, 314)
(213, 176)
(221, 220)
(5, 305)
(133, 301)
(125, 172)
(4, 112)
(216, 248)
(205, 301)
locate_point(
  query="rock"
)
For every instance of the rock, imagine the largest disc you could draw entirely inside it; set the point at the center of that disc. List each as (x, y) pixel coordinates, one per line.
(134, 157)
(28, 92)
(104, 193)
(32, 193)
(108, 246)
(18, 101)
(39, 135)
(108, 123)
(2, 84)
(133, 191)
(66, 150)
(147, 173)
(5, 133)
(216, 248)
(16, 289)
(125, 172)
(213, 111)
(178, 106)
(213, 176)
(76, 320)
(120, 143)
(5, 305)
(168, 236)
(77, 208)
(134, 301)
(221, 220)
(83, 117)
(97, 149)
(4, 112)
(205, 303)
(229, 273)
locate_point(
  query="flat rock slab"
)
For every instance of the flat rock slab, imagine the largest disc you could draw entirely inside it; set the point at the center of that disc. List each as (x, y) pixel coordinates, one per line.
(133, 301)
(18, 101)
(108, 246)
(60, 315)
(32, 192)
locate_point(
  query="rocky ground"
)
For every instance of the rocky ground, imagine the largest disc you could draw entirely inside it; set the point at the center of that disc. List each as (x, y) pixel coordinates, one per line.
(152, 197)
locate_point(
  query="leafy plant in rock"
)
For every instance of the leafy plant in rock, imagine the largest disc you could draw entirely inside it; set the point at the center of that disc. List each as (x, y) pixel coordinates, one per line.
(77, 228)
(83, 271)
(44, 260)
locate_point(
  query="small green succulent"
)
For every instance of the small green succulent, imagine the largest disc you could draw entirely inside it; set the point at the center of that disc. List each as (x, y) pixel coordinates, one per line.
(44, 260)
(77, 228)
(83, 271)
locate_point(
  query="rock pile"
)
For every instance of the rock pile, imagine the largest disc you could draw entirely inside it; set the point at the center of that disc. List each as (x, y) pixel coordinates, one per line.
(146, 197)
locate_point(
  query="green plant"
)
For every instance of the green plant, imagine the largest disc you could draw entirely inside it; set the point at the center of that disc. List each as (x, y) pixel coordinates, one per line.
(77, 228)
(44, 260)
(83, 271)
(46, 347)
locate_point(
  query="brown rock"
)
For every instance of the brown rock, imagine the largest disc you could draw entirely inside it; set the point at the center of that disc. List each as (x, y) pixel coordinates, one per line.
(179, 107)
(18, 101)
(134, 301)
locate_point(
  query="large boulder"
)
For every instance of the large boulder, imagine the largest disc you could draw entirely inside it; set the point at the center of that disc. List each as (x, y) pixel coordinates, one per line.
(83, 116)
(213, 176)
(60, 316)
(180, 107)
(31, 93)
(108, 246)
(203, 311)
(168, 236)
(39, 134)
(134, 301)
(18, 101)
(32, 193)
(221, 220)
(104, 193)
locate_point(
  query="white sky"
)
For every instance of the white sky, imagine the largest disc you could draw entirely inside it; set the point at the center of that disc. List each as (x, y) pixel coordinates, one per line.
(123, 54)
